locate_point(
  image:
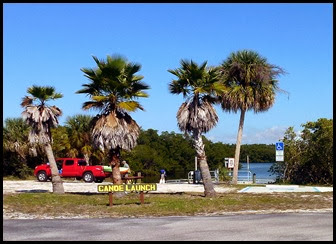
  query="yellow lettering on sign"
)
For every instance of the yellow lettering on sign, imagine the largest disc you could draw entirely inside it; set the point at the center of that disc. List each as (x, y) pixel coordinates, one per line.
(110, 188)
(128, 187)
(153, 187)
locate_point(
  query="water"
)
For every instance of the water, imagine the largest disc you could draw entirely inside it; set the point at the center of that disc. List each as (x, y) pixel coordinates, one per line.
(260, 169)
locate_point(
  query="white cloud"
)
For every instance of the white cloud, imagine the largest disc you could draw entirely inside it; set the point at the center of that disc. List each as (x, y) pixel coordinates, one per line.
(250, 136)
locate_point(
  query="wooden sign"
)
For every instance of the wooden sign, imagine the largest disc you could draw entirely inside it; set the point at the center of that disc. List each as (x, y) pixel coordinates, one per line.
(127, 187)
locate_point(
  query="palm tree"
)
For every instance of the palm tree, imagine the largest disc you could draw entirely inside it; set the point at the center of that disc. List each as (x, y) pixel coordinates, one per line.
(42, 118)
(113, 88)
(251, 85)
(16, 149)
(61, 144)
(199, 85)
(78, 130)
(15, 135)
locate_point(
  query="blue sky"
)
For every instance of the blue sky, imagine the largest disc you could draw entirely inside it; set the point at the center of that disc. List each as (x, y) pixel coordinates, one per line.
(48, 44)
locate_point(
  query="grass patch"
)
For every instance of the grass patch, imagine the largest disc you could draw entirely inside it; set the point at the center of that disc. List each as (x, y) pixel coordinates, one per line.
(186, 204)
(15, 178)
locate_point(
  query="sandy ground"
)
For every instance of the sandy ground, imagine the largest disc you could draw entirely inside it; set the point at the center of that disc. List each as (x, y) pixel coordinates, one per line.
(10, 187)
(80, 186)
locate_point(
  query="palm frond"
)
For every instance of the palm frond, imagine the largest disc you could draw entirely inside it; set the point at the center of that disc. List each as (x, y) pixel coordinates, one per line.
(93, 105)
(26, 101)
(202, 117)
(201, 84)
(247, 75)
(113, 81)
(130, 106)
(140, 94)
(43, 93)
(115, 130)
(101, 99)
(41, 119)
(112, 88)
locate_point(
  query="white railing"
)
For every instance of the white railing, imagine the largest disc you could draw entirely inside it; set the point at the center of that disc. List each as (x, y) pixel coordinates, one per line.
(244, 176)
(265, 181)
(247, 177)
(213, 173)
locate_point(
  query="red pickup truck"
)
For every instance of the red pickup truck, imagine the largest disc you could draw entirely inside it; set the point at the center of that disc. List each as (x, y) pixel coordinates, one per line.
(73, 167)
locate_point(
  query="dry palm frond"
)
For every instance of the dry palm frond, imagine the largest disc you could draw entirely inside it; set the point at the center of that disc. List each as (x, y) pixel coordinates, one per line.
(202, 117)
(41, 119)
(26, 101)
(115, 130)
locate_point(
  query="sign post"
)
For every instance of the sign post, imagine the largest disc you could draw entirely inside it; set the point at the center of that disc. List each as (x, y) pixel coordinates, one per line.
(279, 151)
(230, 163)
(110, 188)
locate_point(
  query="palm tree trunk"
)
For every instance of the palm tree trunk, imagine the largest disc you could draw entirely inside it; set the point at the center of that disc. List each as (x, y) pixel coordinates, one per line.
(238, 143)
(115, 164)
(57, 183)
(209, 190)
(87, 158)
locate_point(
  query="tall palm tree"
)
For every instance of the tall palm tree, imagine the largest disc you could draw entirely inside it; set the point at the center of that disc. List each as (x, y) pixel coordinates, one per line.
(78, 130)
(113, 88)
(199, 85)
(42, 117)
(251, 85)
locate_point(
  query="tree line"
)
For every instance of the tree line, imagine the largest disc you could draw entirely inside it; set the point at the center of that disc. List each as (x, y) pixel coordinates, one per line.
(308, 156)
(171, 151)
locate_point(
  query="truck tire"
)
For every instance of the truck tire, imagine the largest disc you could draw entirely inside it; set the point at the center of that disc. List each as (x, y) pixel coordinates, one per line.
(42, 176)
(88, 177)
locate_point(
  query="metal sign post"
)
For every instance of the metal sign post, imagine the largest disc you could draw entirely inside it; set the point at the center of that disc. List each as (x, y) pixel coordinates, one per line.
(195, 163)
(111, 188)
(248, 167)
(279, 151)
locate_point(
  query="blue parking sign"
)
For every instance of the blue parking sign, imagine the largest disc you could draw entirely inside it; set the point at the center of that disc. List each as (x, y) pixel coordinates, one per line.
(279, 146)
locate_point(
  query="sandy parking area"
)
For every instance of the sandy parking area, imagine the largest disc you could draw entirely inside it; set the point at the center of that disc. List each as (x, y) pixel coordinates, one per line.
(80, 186)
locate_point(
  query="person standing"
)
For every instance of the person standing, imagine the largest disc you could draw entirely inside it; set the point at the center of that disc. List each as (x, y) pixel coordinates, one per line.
(163, 176)
(125, 165)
